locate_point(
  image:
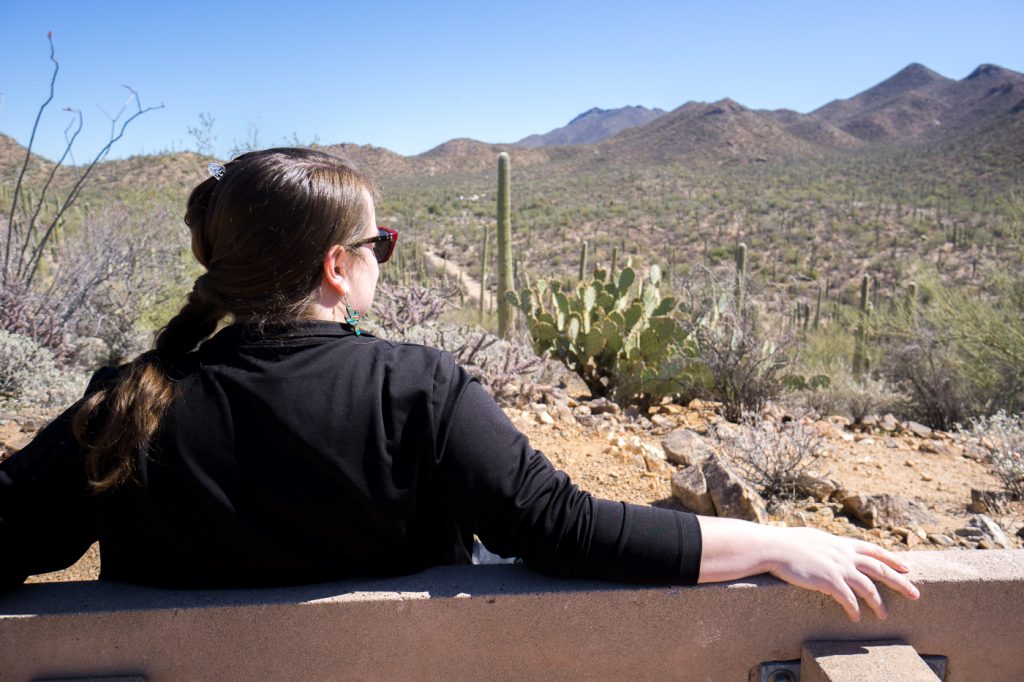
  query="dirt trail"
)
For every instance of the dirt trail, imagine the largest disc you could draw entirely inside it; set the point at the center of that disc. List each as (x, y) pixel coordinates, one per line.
(469, 283)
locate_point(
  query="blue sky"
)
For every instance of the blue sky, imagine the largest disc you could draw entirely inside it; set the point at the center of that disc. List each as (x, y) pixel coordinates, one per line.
(411, 75)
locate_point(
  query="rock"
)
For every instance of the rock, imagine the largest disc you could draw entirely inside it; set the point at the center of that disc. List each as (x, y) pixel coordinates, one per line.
(661, 421)
(827, 429)
(891, 444)
(1020, 532)
(937, 448)
(887, 510)
(919, 430)
(652, 452)
(583, 411)
(730, 495)
(603, 406)
(12, 438)
(941, 540)
(985, 501)
(562, 413)
(869, 422)
(889, 423)
(545, 418)
(685, 447)
(981, 529)
(818, 487)
(691, 489)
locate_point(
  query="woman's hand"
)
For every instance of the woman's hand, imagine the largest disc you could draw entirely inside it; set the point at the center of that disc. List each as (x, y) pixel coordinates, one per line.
(842, 568)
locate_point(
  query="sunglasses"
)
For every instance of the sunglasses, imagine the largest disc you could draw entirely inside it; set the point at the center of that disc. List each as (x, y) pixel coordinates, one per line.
(383, 243)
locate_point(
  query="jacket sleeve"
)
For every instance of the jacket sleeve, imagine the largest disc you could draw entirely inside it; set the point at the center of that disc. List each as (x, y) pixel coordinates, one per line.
(519, 505)
(47, 513)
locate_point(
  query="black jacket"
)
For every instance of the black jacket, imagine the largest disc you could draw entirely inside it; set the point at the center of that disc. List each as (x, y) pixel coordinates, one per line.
(311, 454)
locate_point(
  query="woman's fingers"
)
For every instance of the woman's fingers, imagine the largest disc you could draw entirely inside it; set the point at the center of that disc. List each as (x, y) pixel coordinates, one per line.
(865, 588)
(842, 593)
(889, 577)
(884, 556)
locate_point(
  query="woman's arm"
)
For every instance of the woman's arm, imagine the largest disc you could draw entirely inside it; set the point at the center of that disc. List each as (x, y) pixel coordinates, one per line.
(47, 517)
(842, 568)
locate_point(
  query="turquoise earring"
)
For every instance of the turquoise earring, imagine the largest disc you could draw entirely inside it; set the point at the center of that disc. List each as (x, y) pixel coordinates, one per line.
(352, 318)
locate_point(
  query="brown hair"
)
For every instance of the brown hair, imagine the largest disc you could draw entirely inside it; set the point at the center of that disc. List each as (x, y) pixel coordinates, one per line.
(261, 231)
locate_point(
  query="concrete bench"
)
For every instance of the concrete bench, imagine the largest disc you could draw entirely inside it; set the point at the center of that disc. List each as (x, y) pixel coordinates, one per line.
(486, 622)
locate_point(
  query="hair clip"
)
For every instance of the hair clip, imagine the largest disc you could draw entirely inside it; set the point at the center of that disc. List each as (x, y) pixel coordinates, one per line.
(216, 170)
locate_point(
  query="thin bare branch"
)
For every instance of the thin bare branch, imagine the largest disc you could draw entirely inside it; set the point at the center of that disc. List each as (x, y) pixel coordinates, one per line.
(28, 157)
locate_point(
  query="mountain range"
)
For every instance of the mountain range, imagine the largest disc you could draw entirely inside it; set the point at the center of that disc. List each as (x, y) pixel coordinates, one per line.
(593, 125)
(982, 113)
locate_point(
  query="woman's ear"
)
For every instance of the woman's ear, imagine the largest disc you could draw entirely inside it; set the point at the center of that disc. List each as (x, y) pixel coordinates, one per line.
(336, 270)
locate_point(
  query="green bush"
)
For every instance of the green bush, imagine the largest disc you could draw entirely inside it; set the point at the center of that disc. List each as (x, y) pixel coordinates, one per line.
(29, 376)
(956, 353)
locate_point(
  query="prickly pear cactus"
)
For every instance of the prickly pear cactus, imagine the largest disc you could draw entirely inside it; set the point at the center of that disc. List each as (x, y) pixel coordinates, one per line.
(617, 333)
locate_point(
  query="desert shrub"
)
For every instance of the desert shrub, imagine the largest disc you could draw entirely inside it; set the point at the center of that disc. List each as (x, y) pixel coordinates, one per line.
(411, 314)
(956, 353)
(398, 308)
(770, 456)
(115, 271)
(831, 388)
(1000, 438)
(29, 375)
(26, 314)
(103, 279)
(740, 359)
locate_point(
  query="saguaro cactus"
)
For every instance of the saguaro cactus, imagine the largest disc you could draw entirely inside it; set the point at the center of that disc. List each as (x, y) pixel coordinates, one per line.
(504, 247)
(817, 310)
(860, 359)
(483, 272)
(583, 261)
(741, 276)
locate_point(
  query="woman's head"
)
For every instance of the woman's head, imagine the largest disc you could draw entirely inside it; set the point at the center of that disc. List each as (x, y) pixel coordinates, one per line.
(281, 234)
(263, 229)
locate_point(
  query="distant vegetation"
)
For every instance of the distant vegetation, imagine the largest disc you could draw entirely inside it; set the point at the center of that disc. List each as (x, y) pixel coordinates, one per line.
(867, 186)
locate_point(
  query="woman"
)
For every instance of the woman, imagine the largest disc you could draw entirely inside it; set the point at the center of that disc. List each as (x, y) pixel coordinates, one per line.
(292, 447)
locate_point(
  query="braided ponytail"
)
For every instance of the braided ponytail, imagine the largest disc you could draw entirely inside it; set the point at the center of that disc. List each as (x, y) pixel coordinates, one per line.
(130, 412)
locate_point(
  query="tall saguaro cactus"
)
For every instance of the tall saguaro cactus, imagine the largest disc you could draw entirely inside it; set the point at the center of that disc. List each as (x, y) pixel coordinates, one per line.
(860, 354)
(741, 276)
(504, 247)
(483, 272)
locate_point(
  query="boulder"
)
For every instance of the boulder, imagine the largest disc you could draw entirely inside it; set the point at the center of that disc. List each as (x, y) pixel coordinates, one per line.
(985, 532)
(889, 423)
(603, 406)
(818, 487)
(730, 495)
(684, 446)
(941, 540)
(690, 488)
(919, 430)
(662, 422)
(887, 510)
